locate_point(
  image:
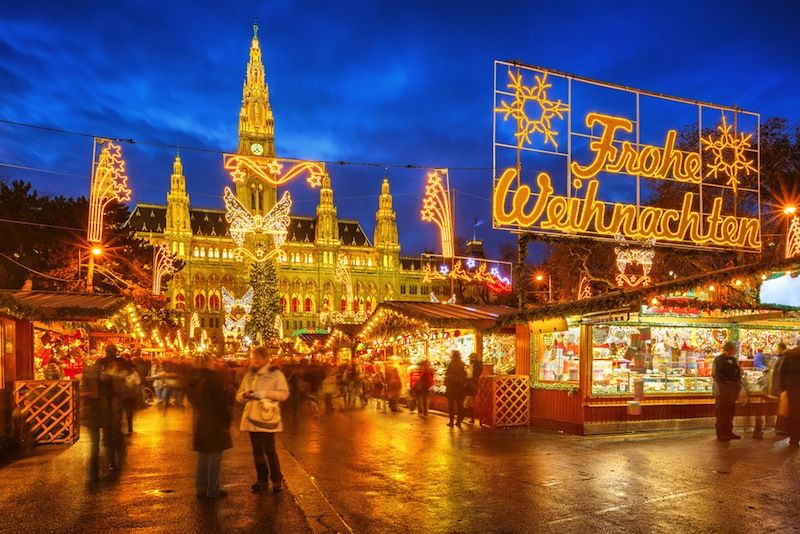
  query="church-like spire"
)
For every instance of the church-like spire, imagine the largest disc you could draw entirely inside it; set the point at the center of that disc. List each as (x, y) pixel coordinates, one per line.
(256, 122)
(327, 230)
(178, 222)
(386, 220)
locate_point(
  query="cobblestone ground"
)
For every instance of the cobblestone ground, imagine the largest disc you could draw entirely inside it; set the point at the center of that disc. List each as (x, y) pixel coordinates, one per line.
(367, 471)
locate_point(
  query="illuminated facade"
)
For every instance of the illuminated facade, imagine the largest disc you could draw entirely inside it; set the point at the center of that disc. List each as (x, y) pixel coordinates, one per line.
(313, 245)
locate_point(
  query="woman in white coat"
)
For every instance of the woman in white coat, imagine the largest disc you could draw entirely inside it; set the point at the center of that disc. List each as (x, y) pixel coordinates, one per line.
(260, 391)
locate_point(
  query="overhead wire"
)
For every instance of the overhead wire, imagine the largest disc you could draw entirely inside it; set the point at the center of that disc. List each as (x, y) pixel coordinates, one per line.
(208, 150)
(35, 271)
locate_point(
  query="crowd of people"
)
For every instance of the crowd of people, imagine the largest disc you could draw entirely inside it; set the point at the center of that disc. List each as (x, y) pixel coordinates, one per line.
(782, 385)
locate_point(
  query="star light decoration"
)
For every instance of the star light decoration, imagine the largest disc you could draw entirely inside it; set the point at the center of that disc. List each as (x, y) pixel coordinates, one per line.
(109, 183)
(493, 279)
(436, 208)
(269, 169)
(236, 312)
(547, 109)
(729, 152)
(272, 225)
(163, 265)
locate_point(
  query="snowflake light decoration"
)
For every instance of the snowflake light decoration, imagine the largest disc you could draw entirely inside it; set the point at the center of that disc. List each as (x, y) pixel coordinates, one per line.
(729, 151)
(548, 109)
(470, 263)
(444, 269)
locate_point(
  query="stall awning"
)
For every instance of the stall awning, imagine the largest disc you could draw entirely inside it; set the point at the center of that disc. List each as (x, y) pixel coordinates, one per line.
(48, 306)
(396, 316)
(727, 296)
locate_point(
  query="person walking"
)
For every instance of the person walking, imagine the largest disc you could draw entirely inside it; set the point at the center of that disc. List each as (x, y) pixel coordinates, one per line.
(414, 372)
(394, 385)
(774, 392)
(91, 415)
(422, 387)
(728, 380)
(211, 399)
(789, 378)
(264, 382)
(126, 387)
(455, 377)
(471, 390)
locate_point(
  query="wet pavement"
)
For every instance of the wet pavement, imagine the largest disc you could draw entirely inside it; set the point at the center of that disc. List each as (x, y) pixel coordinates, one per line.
(154, 492)
(366, 471)
(401, 473)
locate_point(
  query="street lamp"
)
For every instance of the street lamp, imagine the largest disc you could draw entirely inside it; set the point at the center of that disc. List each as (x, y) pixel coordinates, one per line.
(96, 251)
(540, 277)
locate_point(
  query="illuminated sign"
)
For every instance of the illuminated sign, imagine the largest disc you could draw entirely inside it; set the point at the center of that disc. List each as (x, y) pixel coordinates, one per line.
(576, 157)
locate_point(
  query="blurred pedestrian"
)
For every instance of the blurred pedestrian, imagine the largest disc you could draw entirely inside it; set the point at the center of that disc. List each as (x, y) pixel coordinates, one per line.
(329, 388)
(53, 371)
(157, 374)
(91, 414)
(455, 378)
(413, 372)
(728, 381)
(471, 389)
(394, 385)
(211, 399)
(261, 390)
(422, 387)
(789, 378)
(126, 387)
(774, 392)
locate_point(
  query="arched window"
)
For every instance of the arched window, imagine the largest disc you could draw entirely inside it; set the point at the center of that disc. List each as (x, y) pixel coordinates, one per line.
(196, 252)
(202, 252)
(181, 250)
(295, 304)
(344, 304)
(355, 305)
(368, 306)
(307, 305)
(326, 304)
(213, 302)
(199, 301)
(283, 305)
(227, 281)
(180, 301)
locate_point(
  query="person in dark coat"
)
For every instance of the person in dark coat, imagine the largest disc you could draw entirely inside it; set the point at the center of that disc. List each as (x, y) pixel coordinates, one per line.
(455, 378)
(471, 390)
(728, 380)
(100, 412)
(211, 396)
(789, 380)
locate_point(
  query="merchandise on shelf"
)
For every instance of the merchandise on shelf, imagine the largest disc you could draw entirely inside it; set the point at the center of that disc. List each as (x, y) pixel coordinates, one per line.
(559, 356)
(665, 359)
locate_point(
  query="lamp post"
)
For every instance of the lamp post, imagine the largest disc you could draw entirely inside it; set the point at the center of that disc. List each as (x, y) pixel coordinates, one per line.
(95, 251)
(539, 278)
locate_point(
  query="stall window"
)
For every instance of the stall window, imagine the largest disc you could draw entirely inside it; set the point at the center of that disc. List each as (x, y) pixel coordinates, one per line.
(667, 360)
(558, 356)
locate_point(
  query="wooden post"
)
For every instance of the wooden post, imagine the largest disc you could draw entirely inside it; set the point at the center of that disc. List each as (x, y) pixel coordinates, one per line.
(479, 345)
(523, 349)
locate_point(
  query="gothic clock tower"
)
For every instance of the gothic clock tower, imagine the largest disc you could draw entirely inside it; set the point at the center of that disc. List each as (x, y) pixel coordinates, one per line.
(256, 132)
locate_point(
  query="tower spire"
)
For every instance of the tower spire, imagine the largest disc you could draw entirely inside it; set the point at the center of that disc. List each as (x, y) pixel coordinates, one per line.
(256, 122)
(386, 221)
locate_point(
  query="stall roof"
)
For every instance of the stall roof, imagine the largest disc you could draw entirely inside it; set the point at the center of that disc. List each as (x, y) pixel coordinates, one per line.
(626, 298)
(59, 306)
(442, 315)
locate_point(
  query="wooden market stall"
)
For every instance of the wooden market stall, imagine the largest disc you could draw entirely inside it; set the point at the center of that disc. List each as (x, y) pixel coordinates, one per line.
(641, 359)
(48, 408)
(413, 331)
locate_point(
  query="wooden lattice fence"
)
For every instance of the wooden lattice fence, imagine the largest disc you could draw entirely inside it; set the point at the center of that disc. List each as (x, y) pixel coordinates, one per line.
(49, 409)
(504, 400)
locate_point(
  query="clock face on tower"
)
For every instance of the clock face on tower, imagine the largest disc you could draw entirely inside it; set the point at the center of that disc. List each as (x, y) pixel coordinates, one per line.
(257, 149)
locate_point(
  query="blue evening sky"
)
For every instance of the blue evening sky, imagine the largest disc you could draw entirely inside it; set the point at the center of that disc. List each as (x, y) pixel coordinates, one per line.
(387, 83)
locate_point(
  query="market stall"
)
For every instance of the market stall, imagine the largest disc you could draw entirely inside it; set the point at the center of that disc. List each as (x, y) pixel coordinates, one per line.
(642, 359)
(45, 332)
(414, 331)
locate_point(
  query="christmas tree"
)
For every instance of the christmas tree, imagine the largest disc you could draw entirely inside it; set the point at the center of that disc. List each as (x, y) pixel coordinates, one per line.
(260, 326)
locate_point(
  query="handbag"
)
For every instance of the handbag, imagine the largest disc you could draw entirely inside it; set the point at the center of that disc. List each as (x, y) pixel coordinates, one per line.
(264, 413)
